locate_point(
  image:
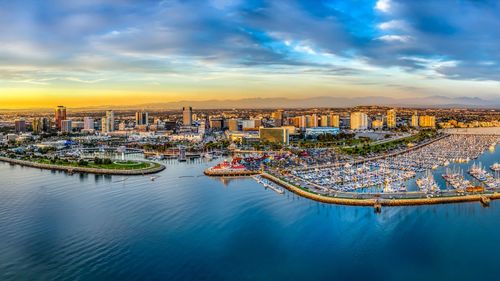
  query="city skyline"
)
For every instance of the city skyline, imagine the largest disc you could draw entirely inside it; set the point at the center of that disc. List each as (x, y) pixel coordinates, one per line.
(108, 53)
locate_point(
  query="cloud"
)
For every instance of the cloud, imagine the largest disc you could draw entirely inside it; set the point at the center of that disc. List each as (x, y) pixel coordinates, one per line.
(86, 41)
(383, 5)
(395, 38)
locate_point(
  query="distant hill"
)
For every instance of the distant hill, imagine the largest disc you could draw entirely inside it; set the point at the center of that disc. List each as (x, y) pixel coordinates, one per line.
(324, 101)
(318, 102)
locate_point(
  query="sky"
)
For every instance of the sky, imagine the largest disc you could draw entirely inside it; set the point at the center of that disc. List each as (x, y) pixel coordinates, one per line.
(118, 52)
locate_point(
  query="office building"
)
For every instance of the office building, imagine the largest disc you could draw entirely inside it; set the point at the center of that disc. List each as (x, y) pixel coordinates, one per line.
(60, 115)
(334, 121)
(216, 123)
(108, 122)
(277, 117)
(233, 125)
(187, 116)
(359, 121)
(276, 135)
(427, 121)
(66, 126)
(20, 125)
(377, 124)
(414, 120)
(88, 123)
(324, 120)
(391, 118)
(141, 118)
(40, 125)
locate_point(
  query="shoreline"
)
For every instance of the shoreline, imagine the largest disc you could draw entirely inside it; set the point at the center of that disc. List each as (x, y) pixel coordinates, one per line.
(483, 198)
(70, 169)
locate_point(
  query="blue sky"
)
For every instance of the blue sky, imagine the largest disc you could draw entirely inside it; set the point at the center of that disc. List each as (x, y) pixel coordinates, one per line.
(202, 49)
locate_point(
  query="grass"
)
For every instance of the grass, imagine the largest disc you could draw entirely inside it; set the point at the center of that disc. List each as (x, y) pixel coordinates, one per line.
(128, 165)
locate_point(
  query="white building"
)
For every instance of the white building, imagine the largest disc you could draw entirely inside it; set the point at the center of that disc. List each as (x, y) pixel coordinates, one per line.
(108, 122)
(88, 123)
(359, 121)
(66, 126)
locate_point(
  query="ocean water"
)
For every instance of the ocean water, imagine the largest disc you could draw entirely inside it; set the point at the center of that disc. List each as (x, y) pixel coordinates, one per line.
(185, 226)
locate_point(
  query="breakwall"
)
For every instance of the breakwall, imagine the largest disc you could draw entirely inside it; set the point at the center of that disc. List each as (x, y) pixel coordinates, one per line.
(483, 198)
(70, 169)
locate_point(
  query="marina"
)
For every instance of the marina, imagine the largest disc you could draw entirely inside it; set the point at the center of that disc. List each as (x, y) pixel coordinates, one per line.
(447, 170)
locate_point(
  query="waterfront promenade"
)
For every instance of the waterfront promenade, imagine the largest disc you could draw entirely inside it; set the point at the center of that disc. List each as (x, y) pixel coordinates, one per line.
(152, 169)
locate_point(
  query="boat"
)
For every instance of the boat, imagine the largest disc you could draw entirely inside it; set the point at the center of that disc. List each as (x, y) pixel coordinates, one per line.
(495, 167)
(427, 183)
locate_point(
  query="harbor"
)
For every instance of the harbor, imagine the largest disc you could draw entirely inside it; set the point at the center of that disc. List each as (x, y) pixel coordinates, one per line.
(447, 170)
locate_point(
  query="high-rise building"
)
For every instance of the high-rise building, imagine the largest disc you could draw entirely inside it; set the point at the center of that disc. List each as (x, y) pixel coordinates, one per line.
(60, 114)
(377, 124)
(66, 126)
(187, 116)
(20, 125)
(40, 125)
(334, 121)
(324, 120)
(312, 121)
(427, 121)
(414, 120)
(141, 118)
(359, 121)
(391, 118)
(233, 124)
(277, 116)
(88, 123)
(108, 122)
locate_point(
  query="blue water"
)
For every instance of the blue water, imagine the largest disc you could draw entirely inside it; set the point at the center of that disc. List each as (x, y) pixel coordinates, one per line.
(185, 226)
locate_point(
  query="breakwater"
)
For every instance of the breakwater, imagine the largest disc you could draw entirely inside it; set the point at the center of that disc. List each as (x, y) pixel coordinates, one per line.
(154, 168)
(484, 198)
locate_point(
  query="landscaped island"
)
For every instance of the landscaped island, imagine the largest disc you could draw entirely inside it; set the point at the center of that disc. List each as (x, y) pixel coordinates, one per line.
(95, 166)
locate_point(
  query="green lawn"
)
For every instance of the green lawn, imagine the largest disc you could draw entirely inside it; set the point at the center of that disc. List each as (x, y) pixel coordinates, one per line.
(117, 165)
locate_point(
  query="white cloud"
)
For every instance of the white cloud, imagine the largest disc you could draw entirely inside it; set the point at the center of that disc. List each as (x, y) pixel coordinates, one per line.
(383, 5)
(393, 25)
(395, 38)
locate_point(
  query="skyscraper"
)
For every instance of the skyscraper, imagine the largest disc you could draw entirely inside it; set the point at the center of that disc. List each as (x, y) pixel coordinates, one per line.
(187, 116)
(414, 120)
(108, 122)
(40, 125)
(66, 126)
(60, 115)
(141, 118)
(391, 118)
(20, 126)
(334, 121)
(359, 121)
(277, 116)
(324, 120)
(88, 123)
